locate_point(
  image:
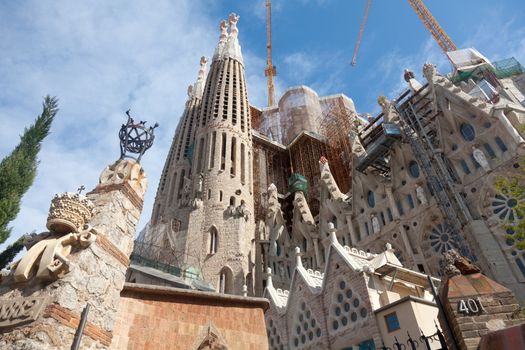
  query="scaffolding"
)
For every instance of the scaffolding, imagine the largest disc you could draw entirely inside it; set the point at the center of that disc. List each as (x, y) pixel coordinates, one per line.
(335, 123)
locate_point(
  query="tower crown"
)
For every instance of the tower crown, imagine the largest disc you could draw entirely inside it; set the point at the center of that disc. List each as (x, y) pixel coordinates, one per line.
(228, 46)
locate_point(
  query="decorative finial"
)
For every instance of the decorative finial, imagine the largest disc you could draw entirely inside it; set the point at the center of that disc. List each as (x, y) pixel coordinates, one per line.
(233, 19)
(190, 91)
(332, 231)
(323, 160)
(80, 189)
(223, 26)
(135, 137)
(298, 261)
(244, 290)
(429, 71)
(388, 246)
(202, 70)
(269, 283)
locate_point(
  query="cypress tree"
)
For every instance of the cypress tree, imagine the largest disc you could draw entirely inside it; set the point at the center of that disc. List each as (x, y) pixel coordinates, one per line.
(18, 170)
(10, 252)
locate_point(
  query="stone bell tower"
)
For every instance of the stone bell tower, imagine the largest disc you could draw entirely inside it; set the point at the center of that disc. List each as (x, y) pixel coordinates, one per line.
(173, 200)
(80, 261)
(221, 226)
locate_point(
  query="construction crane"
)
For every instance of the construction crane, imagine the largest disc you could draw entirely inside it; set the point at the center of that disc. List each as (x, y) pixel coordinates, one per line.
(361, 30)
(442, 39)
(270, 71)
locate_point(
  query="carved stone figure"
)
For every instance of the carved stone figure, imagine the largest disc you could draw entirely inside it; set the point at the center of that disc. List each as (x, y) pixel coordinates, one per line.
(375, 224)
(429, 71)
(387, 108)
(241, 211)
(479, 156)
(190, 91)
(420, 194)
(200, 184)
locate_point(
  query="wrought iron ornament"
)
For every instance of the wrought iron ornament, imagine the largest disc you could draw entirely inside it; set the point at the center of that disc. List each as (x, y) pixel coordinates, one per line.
(135, 138)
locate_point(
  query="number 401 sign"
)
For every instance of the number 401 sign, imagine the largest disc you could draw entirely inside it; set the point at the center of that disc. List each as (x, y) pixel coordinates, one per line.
(470, 306)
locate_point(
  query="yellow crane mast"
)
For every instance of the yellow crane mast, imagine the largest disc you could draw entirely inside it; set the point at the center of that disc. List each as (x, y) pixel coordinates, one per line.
(424, 14)
(270, 71)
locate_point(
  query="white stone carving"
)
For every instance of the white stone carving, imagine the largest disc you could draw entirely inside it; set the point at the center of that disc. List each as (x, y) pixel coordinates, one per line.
(420, 194)
(18, 311)
(69, 212)
(125, 170)
(47, 254)
(479, 156)
(375, 224)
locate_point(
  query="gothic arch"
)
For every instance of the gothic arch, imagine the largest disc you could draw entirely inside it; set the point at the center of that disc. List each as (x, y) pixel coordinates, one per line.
(225, 280)
(213, 240)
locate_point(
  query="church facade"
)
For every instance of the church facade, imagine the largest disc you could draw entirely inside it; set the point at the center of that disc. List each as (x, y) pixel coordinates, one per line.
(242, 187)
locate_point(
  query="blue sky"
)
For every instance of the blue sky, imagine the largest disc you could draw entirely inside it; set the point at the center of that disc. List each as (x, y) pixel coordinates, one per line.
(103, 57)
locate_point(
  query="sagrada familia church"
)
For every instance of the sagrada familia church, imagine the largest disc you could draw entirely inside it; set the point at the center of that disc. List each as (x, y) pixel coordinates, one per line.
(304, 225)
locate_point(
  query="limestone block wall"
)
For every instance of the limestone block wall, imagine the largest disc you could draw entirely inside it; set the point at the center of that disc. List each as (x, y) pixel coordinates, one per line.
(152, 317)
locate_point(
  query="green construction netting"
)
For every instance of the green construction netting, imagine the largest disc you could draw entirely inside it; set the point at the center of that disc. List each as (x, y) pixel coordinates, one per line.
(501, 69)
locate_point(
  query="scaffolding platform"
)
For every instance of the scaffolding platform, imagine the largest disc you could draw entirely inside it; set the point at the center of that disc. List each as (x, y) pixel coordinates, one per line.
(378, 143)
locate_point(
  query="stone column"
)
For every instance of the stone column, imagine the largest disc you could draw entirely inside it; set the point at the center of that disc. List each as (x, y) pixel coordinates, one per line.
(42, 310)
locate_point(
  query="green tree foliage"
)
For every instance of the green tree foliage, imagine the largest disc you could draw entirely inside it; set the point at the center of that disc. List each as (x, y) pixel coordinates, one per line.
(18, 170)
(9, 254)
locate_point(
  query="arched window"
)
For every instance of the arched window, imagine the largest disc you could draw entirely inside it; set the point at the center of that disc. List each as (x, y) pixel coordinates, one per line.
(467, 132)
(371, 199)
(502, 146)
(232, 201)
(226, 281)
(213, 240)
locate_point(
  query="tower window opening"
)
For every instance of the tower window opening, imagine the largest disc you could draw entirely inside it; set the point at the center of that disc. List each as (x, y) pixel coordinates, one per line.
(410, 201)
(243, 168)
(233, 155)
(223, 151)
(220, 196)
(213, 240)
(181, 183)
(209, 193)
(232, 201)
(172, 189)
(201, 153)
(212, 153)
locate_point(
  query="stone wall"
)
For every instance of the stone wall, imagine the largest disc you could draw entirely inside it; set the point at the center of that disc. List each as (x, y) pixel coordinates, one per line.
(153, 317)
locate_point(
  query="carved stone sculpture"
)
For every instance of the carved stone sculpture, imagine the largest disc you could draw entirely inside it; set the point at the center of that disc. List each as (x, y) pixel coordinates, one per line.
(69, 212)
(125, 170)
(47, 255)
(233, 19)
(479, 156)
(375, 224)
(429, 71)
(223, 26)
(420, 194)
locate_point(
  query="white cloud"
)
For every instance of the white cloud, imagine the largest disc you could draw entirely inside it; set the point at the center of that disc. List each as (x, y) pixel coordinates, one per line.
(100, 59)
